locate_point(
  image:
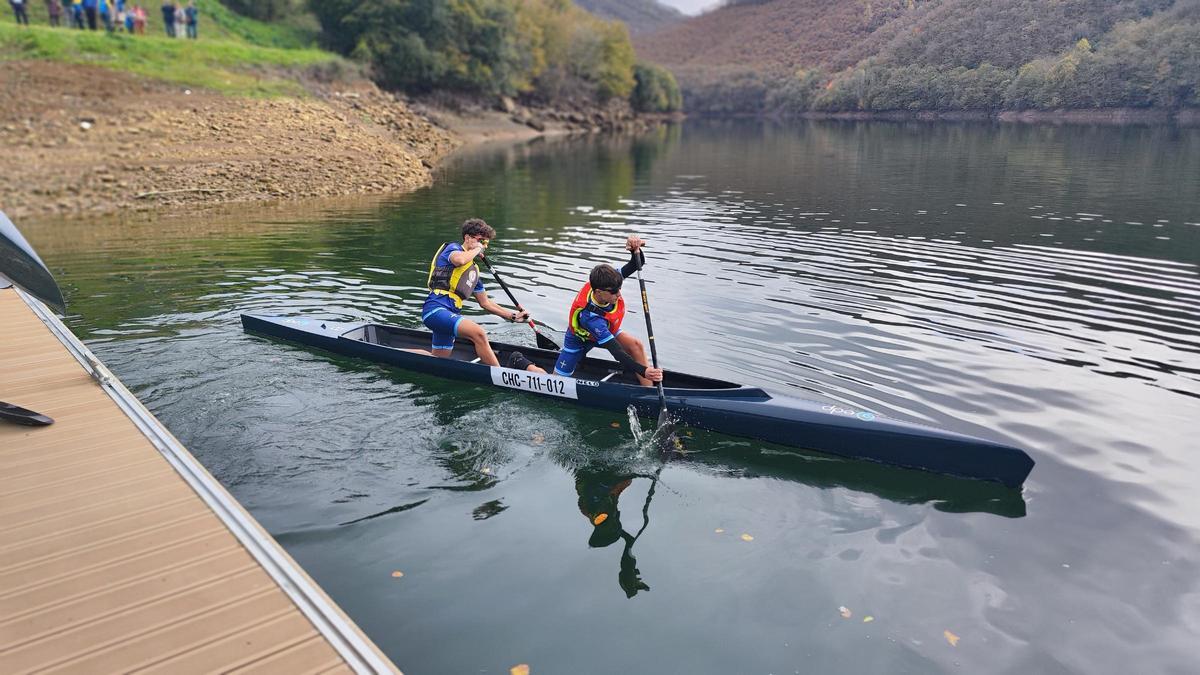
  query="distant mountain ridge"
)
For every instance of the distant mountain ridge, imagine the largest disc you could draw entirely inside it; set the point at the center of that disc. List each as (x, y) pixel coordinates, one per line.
(775, 36)
(641, 16)
(934, 54)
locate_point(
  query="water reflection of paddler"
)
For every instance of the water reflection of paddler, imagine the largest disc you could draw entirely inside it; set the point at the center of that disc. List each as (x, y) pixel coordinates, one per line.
(599, 493)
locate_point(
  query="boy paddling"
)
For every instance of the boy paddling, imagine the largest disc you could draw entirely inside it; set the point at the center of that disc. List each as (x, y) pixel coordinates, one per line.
(595, 320)
(454, 277)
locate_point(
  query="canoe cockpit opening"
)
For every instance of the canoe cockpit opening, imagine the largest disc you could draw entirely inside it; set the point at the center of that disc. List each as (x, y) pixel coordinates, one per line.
(590, 368)
(367, 333)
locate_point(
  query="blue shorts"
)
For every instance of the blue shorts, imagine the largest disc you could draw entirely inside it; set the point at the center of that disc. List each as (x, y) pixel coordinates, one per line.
(444, 324)
(572, 353)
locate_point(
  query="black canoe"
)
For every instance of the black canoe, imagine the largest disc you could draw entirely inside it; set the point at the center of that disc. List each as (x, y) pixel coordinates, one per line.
(699, 402)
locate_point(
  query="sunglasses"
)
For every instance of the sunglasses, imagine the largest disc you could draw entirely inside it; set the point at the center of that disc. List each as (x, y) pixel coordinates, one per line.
(614, 291)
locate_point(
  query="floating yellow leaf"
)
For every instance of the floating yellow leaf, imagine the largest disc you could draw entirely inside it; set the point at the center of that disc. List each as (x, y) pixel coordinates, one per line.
(845, 612)
(487, 469)
(746, 537)
(616, 425)
(522, 669)
(951, 638)
(539, 439)
(719, 530)
(868, 619)
(600, 518)
(397, 574)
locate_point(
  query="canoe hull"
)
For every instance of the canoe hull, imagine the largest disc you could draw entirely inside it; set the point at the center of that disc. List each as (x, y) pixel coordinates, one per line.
(699, 402)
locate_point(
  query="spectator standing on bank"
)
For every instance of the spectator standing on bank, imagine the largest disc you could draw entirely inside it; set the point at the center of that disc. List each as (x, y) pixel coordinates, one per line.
(106, 14)
(77, 14)
(54, 10)
(139, 20)
(20, 11)
(168, 13)
(89, 10)
(193, 18)
(127, 17)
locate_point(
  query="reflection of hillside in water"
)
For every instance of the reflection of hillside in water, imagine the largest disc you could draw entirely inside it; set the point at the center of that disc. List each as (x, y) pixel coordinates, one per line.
(347, 257)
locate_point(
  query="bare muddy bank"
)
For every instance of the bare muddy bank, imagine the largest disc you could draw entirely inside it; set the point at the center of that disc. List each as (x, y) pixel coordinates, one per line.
(81, 139)
(87, 140)
(476, 121)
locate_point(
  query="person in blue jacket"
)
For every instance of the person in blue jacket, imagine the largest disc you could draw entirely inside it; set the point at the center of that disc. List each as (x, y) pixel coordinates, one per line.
(168, 15)
(20, 11)
(193, 18)
(454, 277)
(89, 10)
(595, 317)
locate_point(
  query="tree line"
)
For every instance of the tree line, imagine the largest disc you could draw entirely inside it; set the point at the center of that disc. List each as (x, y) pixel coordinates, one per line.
(996, 56)
(545, 49)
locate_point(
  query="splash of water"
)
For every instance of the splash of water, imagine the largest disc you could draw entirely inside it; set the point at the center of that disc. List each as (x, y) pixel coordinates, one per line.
(635, 426)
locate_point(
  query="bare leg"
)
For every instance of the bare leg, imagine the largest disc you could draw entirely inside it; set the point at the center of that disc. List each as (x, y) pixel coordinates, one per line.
(474, 332)
(634, 348)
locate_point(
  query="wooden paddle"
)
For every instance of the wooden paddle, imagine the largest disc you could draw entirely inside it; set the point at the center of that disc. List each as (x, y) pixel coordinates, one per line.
(665, 430)
(543, 342)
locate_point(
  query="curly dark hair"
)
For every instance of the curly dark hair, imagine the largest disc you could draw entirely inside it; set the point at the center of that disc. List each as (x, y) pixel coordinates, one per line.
(476, 227)
(605, 278)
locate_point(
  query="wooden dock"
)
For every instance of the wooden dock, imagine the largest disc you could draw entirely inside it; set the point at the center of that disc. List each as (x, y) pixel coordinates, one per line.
(120, 553)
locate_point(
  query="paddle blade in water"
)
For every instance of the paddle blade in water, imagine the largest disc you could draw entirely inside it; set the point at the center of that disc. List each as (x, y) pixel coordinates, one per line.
(665, 438)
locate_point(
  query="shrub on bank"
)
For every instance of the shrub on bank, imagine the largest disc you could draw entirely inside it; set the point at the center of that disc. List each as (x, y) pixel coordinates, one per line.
(655, 90)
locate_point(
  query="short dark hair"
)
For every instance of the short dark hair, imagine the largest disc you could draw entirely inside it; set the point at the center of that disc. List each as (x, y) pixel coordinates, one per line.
(605, 277)
(477, 228)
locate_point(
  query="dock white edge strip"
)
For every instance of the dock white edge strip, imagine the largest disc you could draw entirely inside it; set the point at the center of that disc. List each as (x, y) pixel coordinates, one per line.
(342, 635)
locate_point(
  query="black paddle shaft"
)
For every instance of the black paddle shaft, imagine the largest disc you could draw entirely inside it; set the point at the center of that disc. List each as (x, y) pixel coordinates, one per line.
(662, 396)
(543, 342)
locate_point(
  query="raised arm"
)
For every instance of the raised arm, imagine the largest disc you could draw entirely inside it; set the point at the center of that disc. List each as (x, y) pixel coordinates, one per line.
(634, 245)
(471, 248)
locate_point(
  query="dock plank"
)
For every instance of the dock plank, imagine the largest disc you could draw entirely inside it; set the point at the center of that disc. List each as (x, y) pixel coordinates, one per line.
(111, 560)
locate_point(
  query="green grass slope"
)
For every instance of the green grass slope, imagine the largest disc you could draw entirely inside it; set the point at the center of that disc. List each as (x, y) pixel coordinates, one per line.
(234, 54)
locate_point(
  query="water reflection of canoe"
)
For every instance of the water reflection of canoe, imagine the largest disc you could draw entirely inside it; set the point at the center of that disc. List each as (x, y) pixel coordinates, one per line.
(700, 402)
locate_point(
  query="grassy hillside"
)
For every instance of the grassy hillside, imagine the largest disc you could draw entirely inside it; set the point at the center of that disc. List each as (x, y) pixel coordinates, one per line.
(641, 16)
(791, 56)
(234, 55)
(217, 22)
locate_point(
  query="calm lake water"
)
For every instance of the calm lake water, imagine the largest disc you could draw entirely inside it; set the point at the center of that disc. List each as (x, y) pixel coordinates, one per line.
(1036, 285)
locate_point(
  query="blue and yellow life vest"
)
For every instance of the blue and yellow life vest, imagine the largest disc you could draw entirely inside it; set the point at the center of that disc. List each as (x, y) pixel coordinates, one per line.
(456, 282)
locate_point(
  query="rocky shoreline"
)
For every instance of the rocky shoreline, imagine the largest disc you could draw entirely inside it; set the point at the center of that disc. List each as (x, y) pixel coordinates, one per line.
(84, 140)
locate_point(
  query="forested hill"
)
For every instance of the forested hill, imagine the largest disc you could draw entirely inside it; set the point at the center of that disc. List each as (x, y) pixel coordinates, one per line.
(787, 56)
(772, 36)
(641, 16)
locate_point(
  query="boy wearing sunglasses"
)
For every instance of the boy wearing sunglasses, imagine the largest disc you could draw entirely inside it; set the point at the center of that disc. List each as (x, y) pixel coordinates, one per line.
(595, 320)
(454, 277)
